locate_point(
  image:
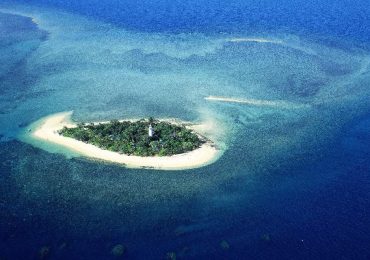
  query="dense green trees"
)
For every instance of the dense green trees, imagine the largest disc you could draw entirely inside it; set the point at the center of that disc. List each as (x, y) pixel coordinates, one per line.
(132, 137)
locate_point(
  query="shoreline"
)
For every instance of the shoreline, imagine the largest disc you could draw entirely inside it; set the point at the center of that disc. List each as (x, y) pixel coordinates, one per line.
(45, 131)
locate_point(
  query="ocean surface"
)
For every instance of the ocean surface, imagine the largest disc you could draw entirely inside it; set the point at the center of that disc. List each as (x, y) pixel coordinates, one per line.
(294, 179)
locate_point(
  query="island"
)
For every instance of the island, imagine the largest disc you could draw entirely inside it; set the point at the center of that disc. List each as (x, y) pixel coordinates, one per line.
(141, 138)
(164, 144)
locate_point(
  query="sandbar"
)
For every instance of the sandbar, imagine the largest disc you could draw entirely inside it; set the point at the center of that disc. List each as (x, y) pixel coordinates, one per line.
(259, 40)
(259, 102)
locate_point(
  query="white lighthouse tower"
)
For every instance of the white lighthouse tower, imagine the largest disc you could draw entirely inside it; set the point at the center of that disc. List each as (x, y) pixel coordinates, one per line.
(150, 131)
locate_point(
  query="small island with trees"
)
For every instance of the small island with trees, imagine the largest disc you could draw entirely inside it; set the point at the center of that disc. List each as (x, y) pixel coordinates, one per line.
(165, 144)
(144, 138)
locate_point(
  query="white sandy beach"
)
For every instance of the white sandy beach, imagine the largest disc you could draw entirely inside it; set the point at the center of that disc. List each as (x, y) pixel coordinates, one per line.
(47, 128)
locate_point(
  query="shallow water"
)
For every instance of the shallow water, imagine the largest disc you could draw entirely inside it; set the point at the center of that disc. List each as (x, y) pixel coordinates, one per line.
(293, 181)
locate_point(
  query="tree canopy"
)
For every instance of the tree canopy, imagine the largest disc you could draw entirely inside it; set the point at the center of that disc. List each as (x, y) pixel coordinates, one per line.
(132, 138)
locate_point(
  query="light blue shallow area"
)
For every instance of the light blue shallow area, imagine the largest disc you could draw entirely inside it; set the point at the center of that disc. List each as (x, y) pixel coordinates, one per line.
(293, 182)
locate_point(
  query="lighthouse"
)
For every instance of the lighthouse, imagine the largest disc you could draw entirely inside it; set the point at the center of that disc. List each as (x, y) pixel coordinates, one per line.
(150, 131)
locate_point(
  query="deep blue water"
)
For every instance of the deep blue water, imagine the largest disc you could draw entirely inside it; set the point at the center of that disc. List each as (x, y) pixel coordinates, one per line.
(340, 18)
(293, 183)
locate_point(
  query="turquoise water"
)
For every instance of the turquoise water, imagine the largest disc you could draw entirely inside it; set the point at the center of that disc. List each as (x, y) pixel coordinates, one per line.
(293, 182)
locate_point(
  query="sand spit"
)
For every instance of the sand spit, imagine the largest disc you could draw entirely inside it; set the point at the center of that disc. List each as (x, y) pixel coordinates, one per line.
(258, 102)
(260, 40)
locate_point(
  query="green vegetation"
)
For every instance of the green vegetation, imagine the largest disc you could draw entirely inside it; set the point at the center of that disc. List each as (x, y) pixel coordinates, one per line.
(132, 137)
